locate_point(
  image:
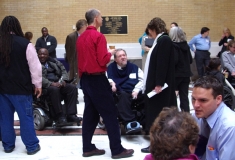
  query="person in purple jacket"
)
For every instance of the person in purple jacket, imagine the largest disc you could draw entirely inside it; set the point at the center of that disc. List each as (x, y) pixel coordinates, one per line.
(173, 135)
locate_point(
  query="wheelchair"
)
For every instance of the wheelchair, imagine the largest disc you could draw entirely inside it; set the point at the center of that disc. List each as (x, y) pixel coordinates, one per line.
(43, 112)
(137, 107)
(229, 93)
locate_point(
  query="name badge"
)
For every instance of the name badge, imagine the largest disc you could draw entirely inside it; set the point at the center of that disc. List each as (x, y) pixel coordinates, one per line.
(132, 75)
(207, 40)
(48, 43)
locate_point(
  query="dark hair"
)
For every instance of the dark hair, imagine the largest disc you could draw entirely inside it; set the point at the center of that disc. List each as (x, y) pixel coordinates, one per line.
(230, 44)
(10, 25)
(210, 82)
(157, 24)
(204, 29)
(213, 64)
(175, 24)
(171, 134)
(44, 28)
(90, 15)
(80, 23)
(28, 35)
(117, 50)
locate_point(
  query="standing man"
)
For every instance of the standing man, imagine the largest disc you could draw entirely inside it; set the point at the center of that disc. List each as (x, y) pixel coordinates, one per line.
(70, 48)
(92, 60)
(215, 120)
(19, 69)
(202, 43)
(47, 41)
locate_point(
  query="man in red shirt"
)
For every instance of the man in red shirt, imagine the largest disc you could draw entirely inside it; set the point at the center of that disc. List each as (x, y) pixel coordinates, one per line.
(93, 58)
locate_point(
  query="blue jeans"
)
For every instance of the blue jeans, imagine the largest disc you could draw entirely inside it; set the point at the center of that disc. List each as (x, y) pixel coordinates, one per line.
(22, 104)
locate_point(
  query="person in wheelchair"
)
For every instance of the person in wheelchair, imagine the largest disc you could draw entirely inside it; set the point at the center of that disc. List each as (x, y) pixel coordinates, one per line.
(129, 82)
(54, 77)
(229, 60)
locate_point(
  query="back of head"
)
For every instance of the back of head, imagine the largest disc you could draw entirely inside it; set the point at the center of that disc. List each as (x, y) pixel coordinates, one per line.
(172, 133)
(91, 14)
(9, 26)
(210, 82)
(158, 25)
(28, 35)
(177, 34)
(80, 23)
(213, 64)
(230, 44)
(204, 29)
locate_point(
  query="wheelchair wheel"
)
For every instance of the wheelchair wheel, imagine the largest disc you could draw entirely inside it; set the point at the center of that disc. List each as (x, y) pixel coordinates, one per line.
(101, 124)
(229, 98)
(39, 120)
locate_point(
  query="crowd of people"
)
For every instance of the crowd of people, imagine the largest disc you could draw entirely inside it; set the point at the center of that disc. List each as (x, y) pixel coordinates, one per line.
(207, 134)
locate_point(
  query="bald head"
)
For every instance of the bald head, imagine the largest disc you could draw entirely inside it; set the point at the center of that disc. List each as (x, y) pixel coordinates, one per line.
(43, 55)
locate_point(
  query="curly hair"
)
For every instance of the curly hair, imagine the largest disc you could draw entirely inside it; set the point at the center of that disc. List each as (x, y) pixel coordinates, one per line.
(156, 24)
(172, 133)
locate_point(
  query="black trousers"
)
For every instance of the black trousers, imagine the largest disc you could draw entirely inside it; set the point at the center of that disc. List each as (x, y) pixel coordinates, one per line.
(202, 59)
(99, 101)
(182, 85)
(69, 93)
(124, 103)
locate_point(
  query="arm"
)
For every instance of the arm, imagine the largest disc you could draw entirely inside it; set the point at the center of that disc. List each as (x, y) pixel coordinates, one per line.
(139, 85)
(221, 42)
(102, 54)
(53, 44)
(38, 45)
(63, 70)
(191, 43)
(143, 47)
(68, 48)
(34, 68)
(226, 144)
(227, 64)
(45, 82)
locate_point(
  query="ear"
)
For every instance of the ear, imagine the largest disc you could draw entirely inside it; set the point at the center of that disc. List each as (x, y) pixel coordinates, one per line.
(191, 148)
(219, 99)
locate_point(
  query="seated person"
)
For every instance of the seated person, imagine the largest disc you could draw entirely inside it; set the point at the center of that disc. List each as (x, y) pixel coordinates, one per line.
(213, 69)
(54, 76)
(228, 58)
(173, 135)
(129, 82)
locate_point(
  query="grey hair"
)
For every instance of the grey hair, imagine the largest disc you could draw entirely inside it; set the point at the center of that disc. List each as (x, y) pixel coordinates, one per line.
(91, 14)
(118, 50)
(177, 34)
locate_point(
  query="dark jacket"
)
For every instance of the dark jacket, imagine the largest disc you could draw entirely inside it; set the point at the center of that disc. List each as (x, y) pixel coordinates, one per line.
(16, 78)
(161, 70)
(59, 72)
(225, 40)
(218, 75)
(183, 59)
(50, 44)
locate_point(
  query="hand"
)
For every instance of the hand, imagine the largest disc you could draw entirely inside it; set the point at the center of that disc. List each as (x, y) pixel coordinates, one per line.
(112, 51)
(158, 89)
(225, 44)
(223, 35)
(233, 74)
(63, 83)
(114, 89)
(38, 92)
(146, 48)
(134, 95)
(56, 84)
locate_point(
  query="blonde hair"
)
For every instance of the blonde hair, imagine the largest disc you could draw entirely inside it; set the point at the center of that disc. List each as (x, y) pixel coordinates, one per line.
(227, 30)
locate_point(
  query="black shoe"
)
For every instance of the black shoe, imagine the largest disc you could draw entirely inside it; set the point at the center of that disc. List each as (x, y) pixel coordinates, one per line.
(10, 150)
(61, 121)
(146, 150)
(95, 152)
(74, 118)
(126, 153)
(35, 151)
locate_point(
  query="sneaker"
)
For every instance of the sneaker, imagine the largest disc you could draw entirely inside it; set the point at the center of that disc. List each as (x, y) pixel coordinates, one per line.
(132, 127)
(35, 151)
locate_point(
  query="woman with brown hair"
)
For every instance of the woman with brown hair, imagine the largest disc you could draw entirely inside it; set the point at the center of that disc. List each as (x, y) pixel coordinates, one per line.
(173, 135)
(159, 71)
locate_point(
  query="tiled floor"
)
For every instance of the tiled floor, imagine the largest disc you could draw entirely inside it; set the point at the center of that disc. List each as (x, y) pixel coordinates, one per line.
(69, 146)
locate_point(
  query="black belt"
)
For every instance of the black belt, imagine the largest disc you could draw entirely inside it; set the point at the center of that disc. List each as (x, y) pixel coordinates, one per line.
(202, 50)
(95, 74)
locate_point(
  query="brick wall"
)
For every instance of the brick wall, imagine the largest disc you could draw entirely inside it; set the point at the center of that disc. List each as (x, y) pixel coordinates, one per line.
(59, 16)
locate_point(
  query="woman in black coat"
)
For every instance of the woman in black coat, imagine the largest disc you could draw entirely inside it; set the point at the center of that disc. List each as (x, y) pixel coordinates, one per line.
(226, 37)
(159, 70)
(183, 59)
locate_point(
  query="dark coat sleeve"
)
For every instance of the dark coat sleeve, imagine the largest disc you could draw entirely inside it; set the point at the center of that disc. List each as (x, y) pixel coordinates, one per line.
(53, 44)
(38, 45)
